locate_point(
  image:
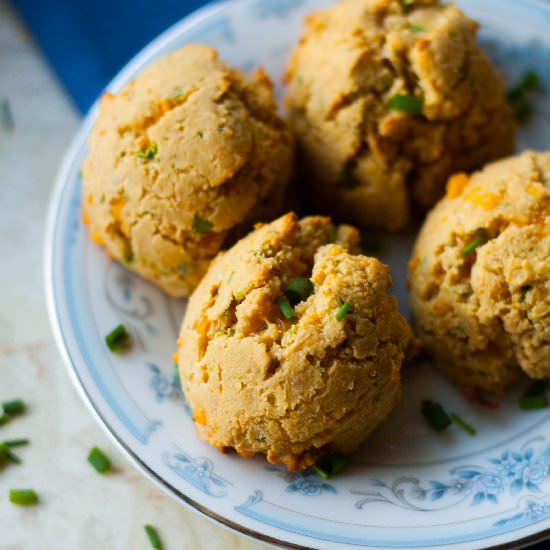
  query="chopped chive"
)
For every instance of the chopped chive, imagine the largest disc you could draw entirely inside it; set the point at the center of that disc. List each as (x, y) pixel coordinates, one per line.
(287, 310)
(13, 458)
(23, 497)
(523, 111)
(524, 290)
(436, 417)
(529, 81)
(150, 153)
(6, 115)
(221, 127)
(99, 461)
(406, 104)
(240, 296)
(416, 28)
(534, 397)
(129, 258)
(479, 239)
(463, 424)
(201, 225)
(346, 178)
(406, 4)
(298, 290)
(14, 407)
(117, 338)
(329, 466)
(153, 537)
(230, 278)
(200, 134)
(343, 311)
(4, 456)
(16, 442)
(4, 418)
(533, 402)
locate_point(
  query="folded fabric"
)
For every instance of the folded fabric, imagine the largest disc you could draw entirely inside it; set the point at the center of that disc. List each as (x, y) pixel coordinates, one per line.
(87, 43)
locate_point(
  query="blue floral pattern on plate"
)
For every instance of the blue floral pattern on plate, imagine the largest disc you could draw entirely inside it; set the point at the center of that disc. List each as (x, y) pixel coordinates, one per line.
(511, 473)
(306, 483)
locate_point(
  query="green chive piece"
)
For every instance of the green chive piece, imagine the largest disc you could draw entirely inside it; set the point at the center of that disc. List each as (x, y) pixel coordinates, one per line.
(416, 28)
(117, 338)
(4, 418)
(406, 104)
(463, 424)
(14, 407)
(221, 127)
(523, 111)
(200, 134)
(287, 310)
(436, 417)
(240, 296)
(230, 278)
(529, 82)
(328, 467)
(4, 454)
(129, 258)
(150, 153)
(99, 461)
(201, 225)
(524, 290)
(153, 537)
(298, 290)
(13, 458)
(479, 239)
(534, 402)
(343, 311)
(23, 497)
(535, 398)
(16, 442)
(6, 116)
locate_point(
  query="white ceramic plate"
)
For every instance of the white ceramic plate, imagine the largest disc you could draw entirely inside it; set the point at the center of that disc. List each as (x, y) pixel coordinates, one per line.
(409, 487)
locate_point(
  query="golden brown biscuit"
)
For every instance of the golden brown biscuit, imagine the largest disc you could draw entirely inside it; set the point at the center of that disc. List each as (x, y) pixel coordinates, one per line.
(182, 156)
(480, 275)
(293, 390)
(387, 99)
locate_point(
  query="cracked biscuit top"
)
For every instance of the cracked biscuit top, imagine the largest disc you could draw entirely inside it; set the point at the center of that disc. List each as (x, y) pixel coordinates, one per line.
(480, 275)
(387, 98)
(291, 346)
(185, 156)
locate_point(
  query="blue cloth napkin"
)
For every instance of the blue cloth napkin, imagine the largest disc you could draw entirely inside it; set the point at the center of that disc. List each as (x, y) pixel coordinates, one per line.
(87, 43)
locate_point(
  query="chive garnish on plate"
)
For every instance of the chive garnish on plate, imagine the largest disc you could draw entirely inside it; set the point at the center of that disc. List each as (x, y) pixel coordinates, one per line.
(298, 290)
(329, 466)
(479, 239)
(408, 104)
(14, 407)
(463, 424)
(99, 461)
(436, 417)
(16, 442)
(23, 497)
(534, 398)
(343, 311)
(117, 338)
(287, 310)
(529, 82)
(153, 537)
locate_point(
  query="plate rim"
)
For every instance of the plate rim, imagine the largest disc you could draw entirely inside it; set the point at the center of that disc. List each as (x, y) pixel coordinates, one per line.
(143, 57)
